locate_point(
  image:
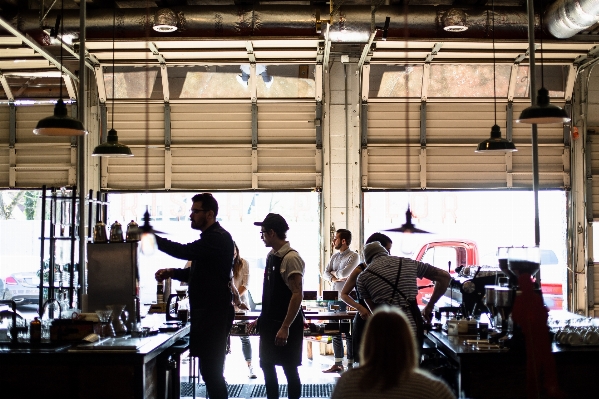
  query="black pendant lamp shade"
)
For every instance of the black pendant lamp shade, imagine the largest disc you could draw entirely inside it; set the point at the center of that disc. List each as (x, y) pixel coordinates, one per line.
(60, 124)
(543, 111)
(408, 227)
(496, 142)
(112, 147)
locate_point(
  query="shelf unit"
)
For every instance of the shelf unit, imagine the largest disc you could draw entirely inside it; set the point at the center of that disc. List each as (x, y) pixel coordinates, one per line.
(59, 249)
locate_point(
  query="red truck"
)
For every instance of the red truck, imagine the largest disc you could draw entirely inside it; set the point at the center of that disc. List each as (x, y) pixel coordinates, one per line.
(461, 252)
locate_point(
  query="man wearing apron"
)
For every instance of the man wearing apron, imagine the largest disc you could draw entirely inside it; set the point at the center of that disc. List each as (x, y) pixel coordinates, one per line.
(281, 323)
(391, 280)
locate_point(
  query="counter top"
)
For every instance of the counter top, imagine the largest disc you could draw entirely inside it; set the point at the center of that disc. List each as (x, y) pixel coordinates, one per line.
(125, 343)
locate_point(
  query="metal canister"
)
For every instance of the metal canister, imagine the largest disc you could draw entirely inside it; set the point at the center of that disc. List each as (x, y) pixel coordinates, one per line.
(35, 331)
(116, 232)
(132, 232)
(100, 232)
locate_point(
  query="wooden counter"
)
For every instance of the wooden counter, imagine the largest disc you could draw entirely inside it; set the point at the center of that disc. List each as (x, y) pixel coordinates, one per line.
(63, 371)
(499, 374)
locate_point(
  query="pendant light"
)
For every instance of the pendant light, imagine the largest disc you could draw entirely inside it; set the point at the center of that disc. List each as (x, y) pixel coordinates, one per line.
(60, 124)
(112, 147)
(408, 227)
(541, 112)
(495, 143)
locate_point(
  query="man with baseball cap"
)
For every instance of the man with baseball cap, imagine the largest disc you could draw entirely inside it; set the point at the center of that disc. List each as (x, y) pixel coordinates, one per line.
(281, 323)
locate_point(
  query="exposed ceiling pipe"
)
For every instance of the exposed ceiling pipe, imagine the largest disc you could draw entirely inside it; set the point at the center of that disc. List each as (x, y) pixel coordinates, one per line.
(565, 18)
(348, 22)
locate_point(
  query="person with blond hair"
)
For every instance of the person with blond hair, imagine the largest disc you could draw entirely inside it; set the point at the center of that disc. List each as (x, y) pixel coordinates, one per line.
(389, 363)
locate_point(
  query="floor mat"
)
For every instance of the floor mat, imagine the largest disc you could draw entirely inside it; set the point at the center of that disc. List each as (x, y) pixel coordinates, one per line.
(259, 390)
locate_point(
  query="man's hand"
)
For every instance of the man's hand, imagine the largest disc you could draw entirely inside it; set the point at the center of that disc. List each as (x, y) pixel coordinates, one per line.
(282, 335)
(163, 274)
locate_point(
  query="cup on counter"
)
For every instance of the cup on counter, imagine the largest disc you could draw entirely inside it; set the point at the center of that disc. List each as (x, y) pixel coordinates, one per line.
(183, 315)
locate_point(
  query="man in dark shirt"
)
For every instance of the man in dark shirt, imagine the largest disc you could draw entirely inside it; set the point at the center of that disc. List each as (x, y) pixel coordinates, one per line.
(209, 293)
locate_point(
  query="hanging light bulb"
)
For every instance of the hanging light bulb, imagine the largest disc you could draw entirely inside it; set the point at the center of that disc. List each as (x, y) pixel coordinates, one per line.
(543, 112)
(148, 239)
(112, 147)
(496, 142)
(408, 227)
(60, 124)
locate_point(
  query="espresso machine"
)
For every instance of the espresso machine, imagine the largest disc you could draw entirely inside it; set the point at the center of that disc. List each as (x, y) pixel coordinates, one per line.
(468, 288)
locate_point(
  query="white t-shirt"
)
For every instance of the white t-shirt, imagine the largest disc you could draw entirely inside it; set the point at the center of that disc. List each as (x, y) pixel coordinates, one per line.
(242, 280)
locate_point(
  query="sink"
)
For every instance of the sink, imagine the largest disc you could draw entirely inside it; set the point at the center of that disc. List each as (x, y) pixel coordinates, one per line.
(27, 347)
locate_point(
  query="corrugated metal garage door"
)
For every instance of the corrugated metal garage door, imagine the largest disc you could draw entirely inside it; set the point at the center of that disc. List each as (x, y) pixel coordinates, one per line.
(211, 147)
(38, 160)
(4, 136)
(134, 122)
(448, 161)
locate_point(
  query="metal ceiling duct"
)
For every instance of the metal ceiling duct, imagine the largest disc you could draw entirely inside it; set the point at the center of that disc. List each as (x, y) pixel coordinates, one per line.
(565, 18)
(349, 23)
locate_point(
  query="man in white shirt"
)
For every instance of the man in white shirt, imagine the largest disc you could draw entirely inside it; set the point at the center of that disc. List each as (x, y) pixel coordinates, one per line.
(341, 265)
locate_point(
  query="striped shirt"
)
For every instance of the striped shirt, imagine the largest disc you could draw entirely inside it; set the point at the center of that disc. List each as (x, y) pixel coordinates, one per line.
(418, 385)
(378, 291)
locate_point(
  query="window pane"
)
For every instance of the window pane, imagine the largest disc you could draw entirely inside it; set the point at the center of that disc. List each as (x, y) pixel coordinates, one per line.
(468, 80)
(225, 81)
(455, 216)
(237, 214)
(285, 81)
(395, 81)
(553, 77)
(133, 82)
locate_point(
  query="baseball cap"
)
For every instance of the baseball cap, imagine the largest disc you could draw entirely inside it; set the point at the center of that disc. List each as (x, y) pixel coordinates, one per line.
(274, 221)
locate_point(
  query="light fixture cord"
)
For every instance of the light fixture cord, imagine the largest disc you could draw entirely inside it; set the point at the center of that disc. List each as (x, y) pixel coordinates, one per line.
(494, 61)
(407, 109)
(147, 123)
(61, 39)
(541, 36)
(113, 76)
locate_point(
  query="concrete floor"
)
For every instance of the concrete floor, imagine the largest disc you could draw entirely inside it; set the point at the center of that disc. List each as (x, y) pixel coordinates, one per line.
(236, 370)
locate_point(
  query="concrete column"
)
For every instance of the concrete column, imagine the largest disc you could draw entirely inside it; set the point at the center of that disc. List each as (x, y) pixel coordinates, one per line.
(342, 195)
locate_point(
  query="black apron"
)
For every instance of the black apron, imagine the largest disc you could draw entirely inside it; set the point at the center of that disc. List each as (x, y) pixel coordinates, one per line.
(275, 302)
(411, 307)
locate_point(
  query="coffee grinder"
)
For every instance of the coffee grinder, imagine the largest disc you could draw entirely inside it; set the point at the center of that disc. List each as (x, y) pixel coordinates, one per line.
(515, 262)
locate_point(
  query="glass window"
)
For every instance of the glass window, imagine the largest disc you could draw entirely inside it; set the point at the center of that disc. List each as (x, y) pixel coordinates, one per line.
(468, 80)
(395, 81)
(20, 225)
(452, 216)
(285, 81)
(224, 81)
(237, 214)
(134, 82)
(553, 77)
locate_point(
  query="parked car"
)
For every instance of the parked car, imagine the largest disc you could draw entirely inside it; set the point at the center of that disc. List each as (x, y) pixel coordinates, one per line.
(22, 288)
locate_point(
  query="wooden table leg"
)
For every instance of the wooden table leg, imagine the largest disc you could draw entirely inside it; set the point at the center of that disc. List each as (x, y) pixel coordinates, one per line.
(310, 356)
